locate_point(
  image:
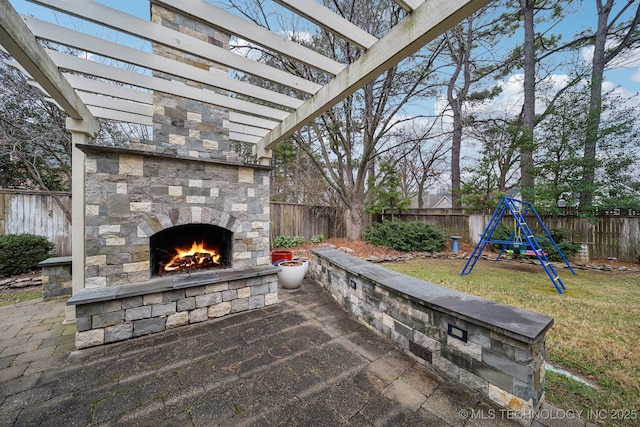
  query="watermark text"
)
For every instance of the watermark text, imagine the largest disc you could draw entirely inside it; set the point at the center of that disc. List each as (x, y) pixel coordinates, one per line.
(592, 415)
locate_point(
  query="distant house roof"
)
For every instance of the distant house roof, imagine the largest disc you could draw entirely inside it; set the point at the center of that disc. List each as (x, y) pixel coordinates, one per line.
(444, 203)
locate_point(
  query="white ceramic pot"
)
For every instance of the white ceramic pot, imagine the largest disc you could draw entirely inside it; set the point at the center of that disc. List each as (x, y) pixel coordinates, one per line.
(291, 273)
(305, 261)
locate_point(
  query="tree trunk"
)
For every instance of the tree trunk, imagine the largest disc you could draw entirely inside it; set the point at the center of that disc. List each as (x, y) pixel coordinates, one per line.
(595, 102)
(421, 193)
(354, 222)
(529, 106)
(456, 143)
(456, 96)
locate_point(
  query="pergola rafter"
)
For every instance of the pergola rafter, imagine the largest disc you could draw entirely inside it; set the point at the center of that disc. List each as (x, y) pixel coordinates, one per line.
(409, 5)
(128, 24)
(330, 21)
(121, 86)
(95, 45)
(237, 26)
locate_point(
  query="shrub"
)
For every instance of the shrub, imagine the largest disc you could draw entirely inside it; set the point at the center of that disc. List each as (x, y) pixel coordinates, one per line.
(501, 232)
(406, 236)
(560, 236)
(318, 238)
(20, 253)
(287, 241)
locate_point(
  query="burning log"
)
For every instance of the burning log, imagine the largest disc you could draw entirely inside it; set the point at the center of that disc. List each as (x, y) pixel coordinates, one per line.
(195, 257)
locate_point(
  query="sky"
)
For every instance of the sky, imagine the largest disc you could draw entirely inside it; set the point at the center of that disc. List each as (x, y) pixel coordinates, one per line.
(625, 79)
(134, 7)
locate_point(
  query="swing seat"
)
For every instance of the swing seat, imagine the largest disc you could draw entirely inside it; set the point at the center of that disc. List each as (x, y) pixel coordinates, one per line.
(531, 252)
(517, 248)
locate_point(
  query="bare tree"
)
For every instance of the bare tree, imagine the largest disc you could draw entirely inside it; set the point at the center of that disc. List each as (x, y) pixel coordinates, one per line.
(479, 31)
(33, 137)
(458, 42)
(344, 143)
(421, 160)
(34, 143)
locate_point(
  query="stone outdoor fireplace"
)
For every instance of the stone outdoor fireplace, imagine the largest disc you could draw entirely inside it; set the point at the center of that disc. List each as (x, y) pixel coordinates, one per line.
(184, 199)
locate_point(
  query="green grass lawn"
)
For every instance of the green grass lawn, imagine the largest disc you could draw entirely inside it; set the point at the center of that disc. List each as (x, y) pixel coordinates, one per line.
(9, 298)
(596, 334)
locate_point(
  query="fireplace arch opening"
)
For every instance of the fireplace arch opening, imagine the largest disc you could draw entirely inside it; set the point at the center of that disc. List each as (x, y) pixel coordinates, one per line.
(190, 247)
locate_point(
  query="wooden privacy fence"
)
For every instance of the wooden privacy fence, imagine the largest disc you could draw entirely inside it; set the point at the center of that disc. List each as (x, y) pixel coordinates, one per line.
(616, 234)
(289, 219)
(36, 213)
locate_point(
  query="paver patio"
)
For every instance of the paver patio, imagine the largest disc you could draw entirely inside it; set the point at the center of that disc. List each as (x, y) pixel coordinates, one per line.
(300, 362)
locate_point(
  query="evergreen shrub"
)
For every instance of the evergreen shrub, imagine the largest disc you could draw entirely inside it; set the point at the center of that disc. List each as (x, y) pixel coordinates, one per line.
(560, 236)
(406, 236)
(20, 253)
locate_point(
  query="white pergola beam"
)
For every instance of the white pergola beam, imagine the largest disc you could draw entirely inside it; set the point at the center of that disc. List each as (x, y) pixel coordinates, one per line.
(409, 5)
(102, 107)
(85, 66)
(120, 116)
(428, 21)
(330, 21)
(237, 117)
(24, 48)
(110, 89)
(241, 137)
(117, 20)
(91, 99)
(248, 130)
(108, 49)
(235, 25)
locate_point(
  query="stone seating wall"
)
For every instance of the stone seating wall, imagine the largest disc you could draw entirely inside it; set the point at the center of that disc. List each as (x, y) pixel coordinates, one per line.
(56, 277)
(495, 351)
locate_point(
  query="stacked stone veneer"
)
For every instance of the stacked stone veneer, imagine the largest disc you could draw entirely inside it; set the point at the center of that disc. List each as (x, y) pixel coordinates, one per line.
(56, 277)
(131, 195)
(182, 126)
(119, 313)
(503, 358)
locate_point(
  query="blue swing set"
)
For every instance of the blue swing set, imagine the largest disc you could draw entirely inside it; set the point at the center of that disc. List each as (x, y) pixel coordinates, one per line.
(521, 237)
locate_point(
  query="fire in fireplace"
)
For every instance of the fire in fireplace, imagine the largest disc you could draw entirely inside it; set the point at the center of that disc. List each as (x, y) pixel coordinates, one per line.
(197, 256)
(185, 248)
